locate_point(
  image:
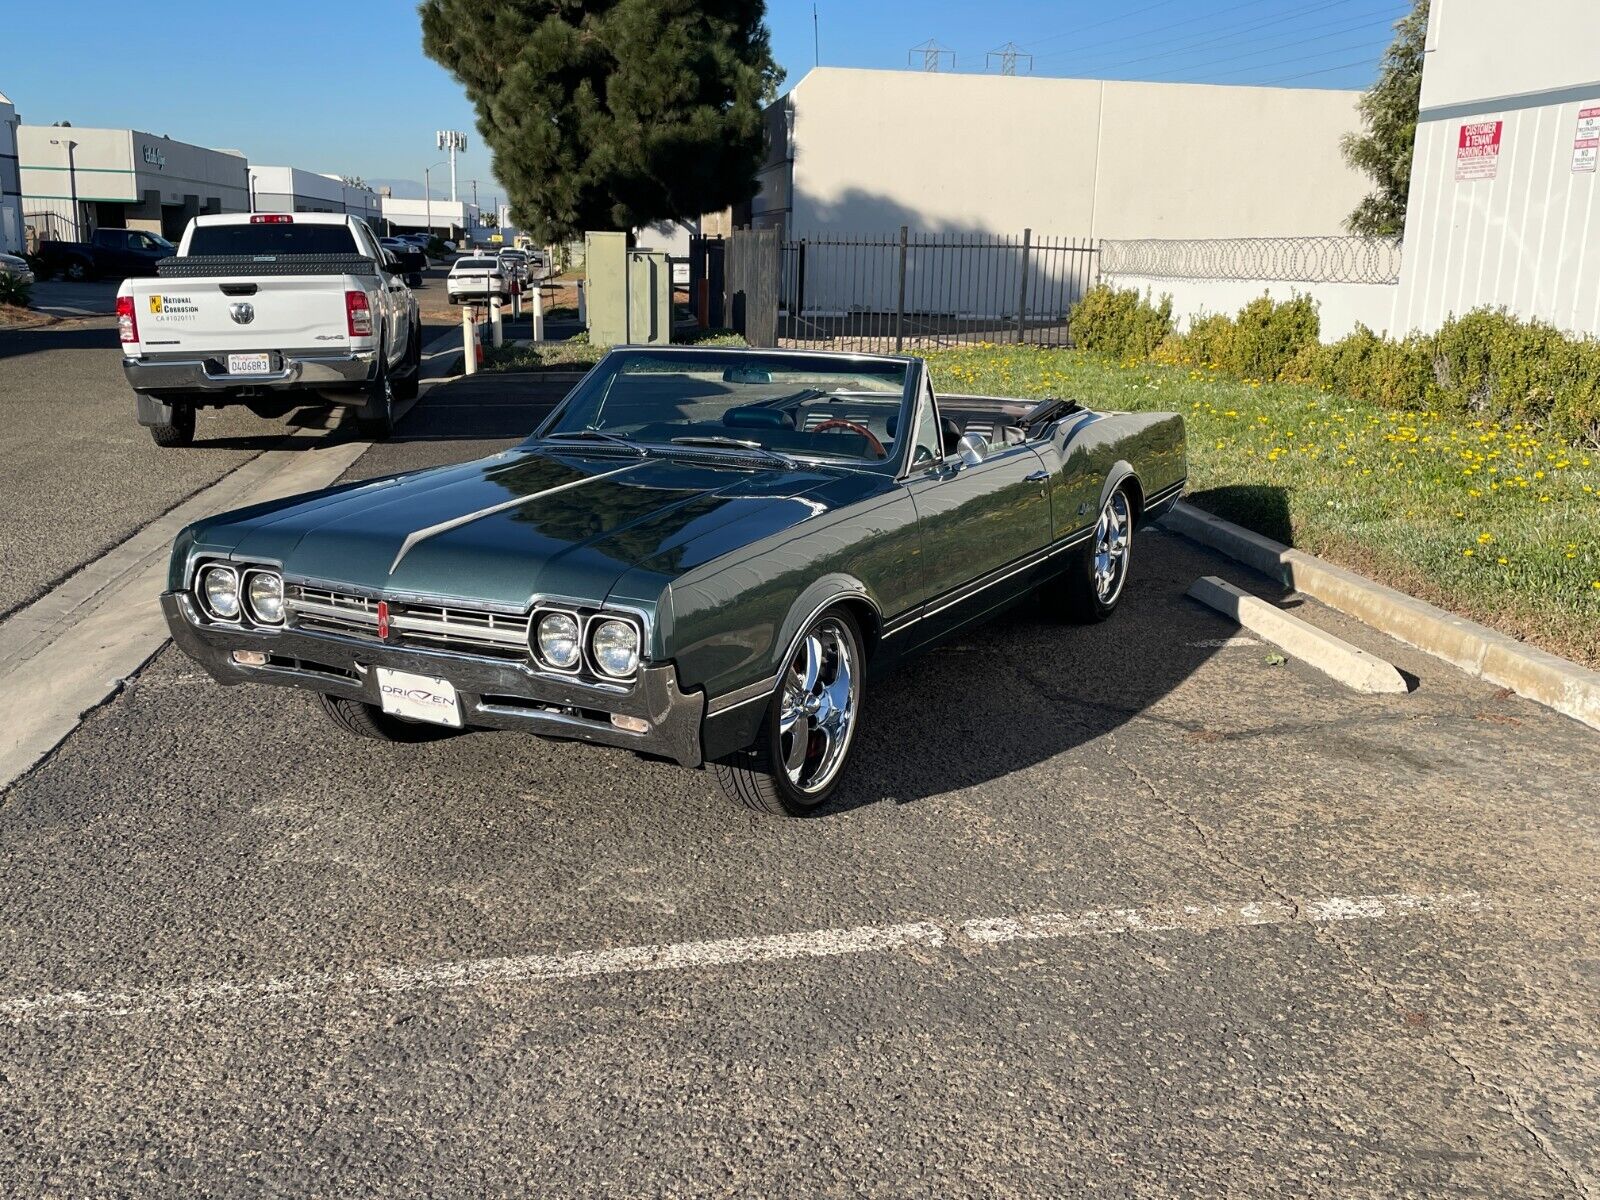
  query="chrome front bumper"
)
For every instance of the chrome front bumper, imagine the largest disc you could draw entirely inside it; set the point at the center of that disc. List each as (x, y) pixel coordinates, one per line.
(495, 693)
(209, 373)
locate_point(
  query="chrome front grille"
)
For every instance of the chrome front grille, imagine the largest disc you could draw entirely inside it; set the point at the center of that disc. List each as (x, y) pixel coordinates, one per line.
(436, 626)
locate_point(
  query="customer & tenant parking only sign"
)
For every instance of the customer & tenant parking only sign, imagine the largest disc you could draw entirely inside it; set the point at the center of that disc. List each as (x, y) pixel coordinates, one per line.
(1478, 150)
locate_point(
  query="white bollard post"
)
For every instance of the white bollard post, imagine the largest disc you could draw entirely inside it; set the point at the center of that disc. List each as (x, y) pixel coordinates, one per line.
(496, 331)
(538, 313)
(469, 340)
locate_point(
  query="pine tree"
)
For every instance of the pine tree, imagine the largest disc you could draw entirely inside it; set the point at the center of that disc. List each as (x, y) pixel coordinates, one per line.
(611, 114)
(1389, 112)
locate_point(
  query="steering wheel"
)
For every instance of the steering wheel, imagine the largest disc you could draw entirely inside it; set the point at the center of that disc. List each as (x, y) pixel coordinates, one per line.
(854, 427)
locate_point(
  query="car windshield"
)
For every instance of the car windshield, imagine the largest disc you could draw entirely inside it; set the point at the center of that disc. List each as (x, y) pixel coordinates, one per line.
(834, 407)
(277, 237)
(475, 264)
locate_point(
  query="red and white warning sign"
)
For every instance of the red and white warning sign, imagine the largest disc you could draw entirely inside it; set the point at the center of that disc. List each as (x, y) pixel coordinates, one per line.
(1586, 142)
(1478, 150)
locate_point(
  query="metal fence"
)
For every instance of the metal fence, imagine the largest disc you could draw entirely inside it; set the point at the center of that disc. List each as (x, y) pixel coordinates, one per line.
(900, 291)
(1290, 259)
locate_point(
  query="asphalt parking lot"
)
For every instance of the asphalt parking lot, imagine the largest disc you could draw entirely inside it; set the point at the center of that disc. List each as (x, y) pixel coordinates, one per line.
(1126, 910)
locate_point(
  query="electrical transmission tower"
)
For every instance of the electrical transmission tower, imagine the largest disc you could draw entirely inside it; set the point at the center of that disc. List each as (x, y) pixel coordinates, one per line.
(932, 54)
(1009, 55)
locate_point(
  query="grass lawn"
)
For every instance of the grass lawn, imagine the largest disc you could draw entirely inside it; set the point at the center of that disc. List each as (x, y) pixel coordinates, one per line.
(1500, 524)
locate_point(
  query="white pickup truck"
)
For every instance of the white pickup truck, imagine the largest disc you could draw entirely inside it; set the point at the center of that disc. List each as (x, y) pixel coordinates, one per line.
(270, 310)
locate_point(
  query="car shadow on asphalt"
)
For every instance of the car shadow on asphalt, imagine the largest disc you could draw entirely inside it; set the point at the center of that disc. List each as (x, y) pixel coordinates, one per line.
(45, 339)
(1256, 506)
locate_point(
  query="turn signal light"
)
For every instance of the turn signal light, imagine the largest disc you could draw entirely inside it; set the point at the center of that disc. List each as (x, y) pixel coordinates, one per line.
(358, 314)
(127, 323)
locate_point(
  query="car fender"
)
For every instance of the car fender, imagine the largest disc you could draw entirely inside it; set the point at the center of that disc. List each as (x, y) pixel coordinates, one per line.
(1122, 472)
(820, 595)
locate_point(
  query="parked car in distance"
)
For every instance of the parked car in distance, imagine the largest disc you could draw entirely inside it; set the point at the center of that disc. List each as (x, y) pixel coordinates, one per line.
(515, 265)
(16, 267)
(270, 310)
(410, 257)
(477, 278)
(109, 253)
(702, 554)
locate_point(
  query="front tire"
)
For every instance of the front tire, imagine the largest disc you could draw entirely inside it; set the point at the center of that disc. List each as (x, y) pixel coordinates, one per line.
(360, 719)
(1091, 587)
(76, 271)
(799, 755)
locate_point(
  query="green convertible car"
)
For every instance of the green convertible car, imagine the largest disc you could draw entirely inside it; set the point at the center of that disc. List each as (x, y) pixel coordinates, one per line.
(702, 554)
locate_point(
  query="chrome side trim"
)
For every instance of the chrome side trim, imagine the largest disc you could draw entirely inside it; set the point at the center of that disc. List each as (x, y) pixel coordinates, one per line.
(421, 535)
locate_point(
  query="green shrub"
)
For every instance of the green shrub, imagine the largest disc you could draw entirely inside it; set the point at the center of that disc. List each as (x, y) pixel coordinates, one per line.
(1266, 336)
(1208, 340)
(15, 291)
(1122, 323)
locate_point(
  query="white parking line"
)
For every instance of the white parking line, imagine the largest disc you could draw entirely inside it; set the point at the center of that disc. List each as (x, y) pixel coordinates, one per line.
(729, 952)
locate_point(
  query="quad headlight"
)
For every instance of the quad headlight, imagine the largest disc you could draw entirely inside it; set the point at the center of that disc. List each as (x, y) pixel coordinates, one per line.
(559, 645)
(615, 646)
(263, 592)
(219, 592)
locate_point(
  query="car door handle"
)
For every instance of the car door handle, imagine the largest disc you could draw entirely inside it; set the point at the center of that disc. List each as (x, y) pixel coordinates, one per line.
(1037, 477)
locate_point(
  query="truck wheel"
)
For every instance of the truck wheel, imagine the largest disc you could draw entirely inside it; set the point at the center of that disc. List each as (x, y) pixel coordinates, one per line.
(800, 753)
(375, 417)
(1091, 587)
(410, 379)
(363, 720)
(177, 429)
(76, 270)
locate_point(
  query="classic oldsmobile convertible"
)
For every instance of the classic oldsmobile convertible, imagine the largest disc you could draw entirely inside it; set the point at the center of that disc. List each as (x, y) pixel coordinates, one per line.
(697, 556)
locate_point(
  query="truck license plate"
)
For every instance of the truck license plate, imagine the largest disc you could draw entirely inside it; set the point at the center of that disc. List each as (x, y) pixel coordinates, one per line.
(419, 697)
(249, 364)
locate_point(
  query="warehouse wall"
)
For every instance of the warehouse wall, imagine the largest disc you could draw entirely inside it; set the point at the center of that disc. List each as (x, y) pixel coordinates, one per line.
(1524, 232)
(868, 151)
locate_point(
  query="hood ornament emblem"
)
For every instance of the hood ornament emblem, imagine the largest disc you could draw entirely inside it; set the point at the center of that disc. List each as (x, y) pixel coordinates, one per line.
(383, 620)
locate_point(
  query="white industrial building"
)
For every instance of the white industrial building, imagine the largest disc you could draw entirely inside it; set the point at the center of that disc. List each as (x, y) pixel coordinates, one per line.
(74, 180)
(290, 189)
(10, 180)
(453, 219)
(1502, 210)
(867, 151)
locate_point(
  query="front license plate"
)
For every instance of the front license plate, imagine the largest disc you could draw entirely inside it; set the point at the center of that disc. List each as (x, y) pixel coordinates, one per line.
(419, 697)
(249, 364)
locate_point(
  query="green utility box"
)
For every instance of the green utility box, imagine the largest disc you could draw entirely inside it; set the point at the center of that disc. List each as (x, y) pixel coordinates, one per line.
(627, 293)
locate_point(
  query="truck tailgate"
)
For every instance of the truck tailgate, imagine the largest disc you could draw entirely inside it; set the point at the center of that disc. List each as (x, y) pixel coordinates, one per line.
(283, 312)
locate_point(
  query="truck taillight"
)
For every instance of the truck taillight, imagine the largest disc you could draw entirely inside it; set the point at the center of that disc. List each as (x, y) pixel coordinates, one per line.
(272, 219)
(358, 314)
(127, 323)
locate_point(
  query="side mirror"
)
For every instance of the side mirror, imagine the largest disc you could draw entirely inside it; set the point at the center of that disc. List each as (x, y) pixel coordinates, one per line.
(973, 449)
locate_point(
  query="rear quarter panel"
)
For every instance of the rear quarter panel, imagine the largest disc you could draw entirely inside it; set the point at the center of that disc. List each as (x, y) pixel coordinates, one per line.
(1096, 451)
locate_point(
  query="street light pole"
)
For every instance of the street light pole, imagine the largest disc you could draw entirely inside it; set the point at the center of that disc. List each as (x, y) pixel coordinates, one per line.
(72, 186)
(427, 194)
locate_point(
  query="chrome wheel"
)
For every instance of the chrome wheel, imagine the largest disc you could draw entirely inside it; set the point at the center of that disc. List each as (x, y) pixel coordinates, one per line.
(1113, 538)
(817, 713)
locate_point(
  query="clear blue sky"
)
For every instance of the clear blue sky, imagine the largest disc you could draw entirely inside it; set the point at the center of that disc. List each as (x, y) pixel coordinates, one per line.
(334, 85)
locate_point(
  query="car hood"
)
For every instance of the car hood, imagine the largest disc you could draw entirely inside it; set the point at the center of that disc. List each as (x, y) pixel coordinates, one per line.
(531, 522)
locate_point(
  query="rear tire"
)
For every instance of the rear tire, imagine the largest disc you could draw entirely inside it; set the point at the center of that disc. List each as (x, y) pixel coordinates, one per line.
(177, 430)
(375, 417)
(1092, 585)
(77, 271)
(360, 719)
(799, 755)
(409, 382)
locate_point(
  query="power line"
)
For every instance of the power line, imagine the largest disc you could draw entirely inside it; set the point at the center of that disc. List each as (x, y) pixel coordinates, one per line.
(1230, 36)
(1302, 58)
(1142, 35)
(1050, 37)
(1360, 62)
(1289, 44)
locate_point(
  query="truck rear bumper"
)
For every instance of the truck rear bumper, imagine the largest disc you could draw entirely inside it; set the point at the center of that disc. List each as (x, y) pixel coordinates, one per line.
(210, 373)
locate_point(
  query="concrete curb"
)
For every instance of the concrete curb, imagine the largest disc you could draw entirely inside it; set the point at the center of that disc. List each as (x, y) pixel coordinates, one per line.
(1334, 657)
(1565, 686)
